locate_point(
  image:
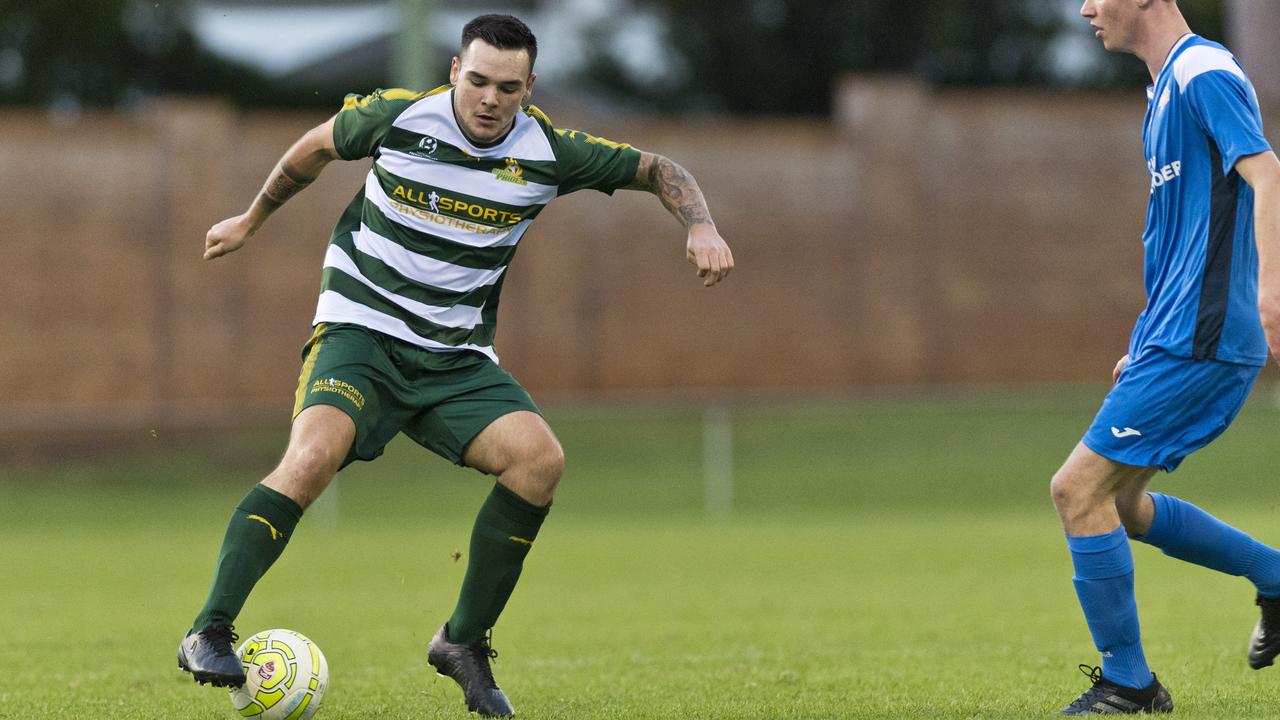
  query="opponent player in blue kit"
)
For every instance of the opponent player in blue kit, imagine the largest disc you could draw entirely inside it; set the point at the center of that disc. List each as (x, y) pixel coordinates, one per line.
(1212, 266)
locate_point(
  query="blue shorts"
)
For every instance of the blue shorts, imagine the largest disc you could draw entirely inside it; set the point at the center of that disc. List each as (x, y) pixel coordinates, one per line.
(1163, 408)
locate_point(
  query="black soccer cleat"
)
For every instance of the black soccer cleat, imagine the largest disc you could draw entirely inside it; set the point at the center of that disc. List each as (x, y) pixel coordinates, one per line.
(1107, 698)
(468, 665)
(210, 657)
(1265, 643)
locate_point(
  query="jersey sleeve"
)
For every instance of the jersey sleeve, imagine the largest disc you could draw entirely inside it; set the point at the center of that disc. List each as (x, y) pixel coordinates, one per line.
(585, 161)
(1225, 107)
(364, 120)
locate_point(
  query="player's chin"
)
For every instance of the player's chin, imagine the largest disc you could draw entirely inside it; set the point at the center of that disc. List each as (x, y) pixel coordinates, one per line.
(485, 132)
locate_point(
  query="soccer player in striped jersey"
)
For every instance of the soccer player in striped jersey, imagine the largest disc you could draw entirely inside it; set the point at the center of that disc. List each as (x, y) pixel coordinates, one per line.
(404, 328)
(1212, 266)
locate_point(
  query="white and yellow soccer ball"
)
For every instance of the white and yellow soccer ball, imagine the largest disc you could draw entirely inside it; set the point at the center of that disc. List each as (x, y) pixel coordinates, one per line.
(285, 676)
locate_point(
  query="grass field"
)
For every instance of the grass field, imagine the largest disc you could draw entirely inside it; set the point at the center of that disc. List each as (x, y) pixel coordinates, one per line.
(887, 558)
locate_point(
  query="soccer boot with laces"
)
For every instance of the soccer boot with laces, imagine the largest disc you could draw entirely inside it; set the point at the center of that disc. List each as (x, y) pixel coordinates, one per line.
(1265, 643)
(1107, 698)
(468, 665)
(210, 656)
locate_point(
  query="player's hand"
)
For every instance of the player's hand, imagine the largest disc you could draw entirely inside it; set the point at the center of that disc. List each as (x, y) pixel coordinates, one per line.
(709, 252)
(1115, 374)
(227, 236)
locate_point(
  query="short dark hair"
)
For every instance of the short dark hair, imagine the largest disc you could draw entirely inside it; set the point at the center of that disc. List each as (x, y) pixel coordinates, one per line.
(505, 32)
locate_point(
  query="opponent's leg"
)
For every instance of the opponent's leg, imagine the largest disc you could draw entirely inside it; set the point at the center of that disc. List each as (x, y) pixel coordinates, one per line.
(1084, 492)
(1183, 531)
(257, 534)
(520, 449)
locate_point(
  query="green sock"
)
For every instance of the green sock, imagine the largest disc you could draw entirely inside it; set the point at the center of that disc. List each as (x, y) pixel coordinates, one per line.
(503, 535)
(259, 529)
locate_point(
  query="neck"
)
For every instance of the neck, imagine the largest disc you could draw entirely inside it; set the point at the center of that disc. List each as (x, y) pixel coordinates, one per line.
(1160, 37)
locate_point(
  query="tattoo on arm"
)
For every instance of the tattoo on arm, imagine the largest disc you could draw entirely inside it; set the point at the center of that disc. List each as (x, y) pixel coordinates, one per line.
(678, 191)
(284, 183)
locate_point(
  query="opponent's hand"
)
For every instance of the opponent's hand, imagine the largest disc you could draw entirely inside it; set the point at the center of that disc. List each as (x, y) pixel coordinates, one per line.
(1115, 374)
(709, 252)
(227, 236)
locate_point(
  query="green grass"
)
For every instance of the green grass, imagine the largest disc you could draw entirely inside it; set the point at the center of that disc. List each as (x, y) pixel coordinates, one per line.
(887, 558)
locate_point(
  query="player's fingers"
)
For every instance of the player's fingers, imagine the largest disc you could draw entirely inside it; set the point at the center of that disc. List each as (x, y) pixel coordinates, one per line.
(713, 273)
(702, 261)
(726, 263)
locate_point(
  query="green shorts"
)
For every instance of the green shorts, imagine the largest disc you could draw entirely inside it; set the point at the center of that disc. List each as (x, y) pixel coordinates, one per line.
(440, 399)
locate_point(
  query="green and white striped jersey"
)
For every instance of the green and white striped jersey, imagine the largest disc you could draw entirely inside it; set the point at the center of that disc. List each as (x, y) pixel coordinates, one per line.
(421, 252)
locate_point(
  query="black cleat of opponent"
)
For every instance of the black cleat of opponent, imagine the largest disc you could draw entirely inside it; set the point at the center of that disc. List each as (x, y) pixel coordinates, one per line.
(210, 657)
(1107, 698)
(468, 665)
(1265, 643)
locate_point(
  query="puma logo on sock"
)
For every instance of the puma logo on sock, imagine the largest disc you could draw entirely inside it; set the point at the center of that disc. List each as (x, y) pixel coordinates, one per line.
(275, 534)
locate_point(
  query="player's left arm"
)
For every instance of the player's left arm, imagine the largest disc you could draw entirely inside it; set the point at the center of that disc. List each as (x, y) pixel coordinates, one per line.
(680, 195)
(1262, 172)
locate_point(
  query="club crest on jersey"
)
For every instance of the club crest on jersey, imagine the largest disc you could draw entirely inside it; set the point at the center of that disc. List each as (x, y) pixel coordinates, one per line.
(511, 172)
(429, 145)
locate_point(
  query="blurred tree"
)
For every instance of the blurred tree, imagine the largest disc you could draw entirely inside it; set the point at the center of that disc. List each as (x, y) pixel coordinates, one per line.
(771, 56)
(741, 56)
(70, 53)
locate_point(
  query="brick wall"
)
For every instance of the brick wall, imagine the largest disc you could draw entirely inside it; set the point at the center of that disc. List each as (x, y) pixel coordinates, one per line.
(919, 237)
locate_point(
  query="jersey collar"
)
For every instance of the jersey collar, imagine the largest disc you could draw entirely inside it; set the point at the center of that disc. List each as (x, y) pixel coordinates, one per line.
(1168, 59)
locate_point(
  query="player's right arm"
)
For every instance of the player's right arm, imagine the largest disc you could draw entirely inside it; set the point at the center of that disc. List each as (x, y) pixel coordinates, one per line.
(1262, 172)
(298, 168)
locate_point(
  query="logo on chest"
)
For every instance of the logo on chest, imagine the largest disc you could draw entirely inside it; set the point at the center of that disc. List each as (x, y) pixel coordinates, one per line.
(511, 172)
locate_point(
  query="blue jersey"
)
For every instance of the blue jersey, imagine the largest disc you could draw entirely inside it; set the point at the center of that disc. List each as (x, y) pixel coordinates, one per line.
(1200, 256)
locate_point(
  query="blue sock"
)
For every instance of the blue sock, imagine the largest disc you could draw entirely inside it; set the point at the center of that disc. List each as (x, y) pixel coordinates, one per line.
(1186, 532)
(1104, 583)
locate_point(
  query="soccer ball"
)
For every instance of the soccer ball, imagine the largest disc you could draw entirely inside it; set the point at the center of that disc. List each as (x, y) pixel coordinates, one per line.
(285, 676)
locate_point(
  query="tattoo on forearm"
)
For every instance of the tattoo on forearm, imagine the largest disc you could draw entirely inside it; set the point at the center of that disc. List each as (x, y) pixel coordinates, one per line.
(679, 192)
(283, 184)
(268, 201)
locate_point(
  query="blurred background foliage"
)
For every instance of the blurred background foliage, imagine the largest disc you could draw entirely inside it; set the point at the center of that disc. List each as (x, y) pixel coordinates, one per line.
(739, 56)
(64, 54)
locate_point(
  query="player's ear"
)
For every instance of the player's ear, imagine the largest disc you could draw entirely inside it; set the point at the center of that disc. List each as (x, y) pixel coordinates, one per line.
(528, 89)
(453, 70)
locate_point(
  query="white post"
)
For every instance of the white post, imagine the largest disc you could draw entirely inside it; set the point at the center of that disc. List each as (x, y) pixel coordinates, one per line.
(717, 461)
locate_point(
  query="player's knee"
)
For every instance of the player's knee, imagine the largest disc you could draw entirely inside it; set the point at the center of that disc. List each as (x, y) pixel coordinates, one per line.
(310, 467)
(1067, 491)
(545, 464)
(535, 471)
(1059, 490)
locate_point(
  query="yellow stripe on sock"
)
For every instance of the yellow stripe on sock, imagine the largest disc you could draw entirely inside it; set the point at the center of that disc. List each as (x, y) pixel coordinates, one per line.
(520, 540)
(275, 534)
